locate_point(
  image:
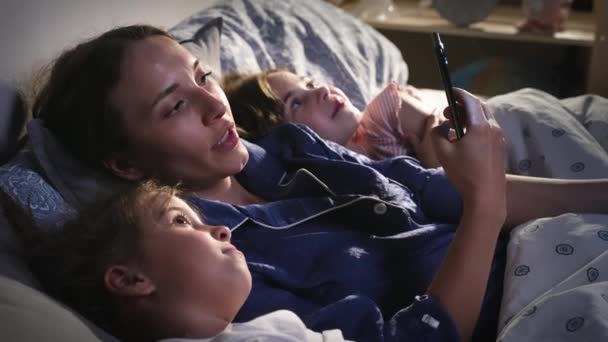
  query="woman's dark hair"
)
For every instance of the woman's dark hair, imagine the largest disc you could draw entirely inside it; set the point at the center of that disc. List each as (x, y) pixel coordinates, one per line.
(254, 107)
(74, 103)
(70, 261)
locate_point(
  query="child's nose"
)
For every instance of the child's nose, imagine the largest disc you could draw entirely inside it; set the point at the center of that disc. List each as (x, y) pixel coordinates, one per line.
(322, 93)
(221, 233)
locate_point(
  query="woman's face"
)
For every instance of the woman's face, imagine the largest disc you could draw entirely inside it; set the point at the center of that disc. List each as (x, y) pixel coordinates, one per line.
(177, 120)
(326, 110)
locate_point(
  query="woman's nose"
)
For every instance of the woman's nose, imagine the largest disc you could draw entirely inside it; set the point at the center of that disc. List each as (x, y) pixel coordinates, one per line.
(212, 107)
(221, 233)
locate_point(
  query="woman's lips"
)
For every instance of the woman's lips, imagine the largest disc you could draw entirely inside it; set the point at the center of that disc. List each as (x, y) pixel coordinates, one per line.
(228, 141)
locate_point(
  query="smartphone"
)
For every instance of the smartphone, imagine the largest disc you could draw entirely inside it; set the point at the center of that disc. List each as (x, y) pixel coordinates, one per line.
(442, 61)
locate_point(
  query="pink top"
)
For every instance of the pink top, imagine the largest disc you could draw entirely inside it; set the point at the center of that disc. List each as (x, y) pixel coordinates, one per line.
(380, 134)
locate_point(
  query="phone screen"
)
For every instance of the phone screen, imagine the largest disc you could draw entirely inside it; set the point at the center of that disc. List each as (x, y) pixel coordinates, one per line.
(442, 61)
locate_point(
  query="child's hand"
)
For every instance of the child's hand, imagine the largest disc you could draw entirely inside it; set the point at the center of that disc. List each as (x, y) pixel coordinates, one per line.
(423, 147)
(414, 112)
(475, 163)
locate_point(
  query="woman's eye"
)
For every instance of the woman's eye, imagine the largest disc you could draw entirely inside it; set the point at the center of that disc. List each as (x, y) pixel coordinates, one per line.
(181, 220)
(204, 77)
(311, 84)
(178, 106)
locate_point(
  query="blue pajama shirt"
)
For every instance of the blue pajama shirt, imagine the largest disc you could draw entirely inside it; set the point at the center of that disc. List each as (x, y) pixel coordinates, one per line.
(346, 242)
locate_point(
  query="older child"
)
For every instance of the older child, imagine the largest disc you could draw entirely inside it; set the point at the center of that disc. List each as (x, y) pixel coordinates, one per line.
(394, 123)
(146, 267)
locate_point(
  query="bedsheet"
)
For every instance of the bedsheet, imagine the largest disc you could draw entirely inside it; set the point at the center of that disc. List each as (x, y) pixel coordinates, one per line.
(556, 280)
(549, 137)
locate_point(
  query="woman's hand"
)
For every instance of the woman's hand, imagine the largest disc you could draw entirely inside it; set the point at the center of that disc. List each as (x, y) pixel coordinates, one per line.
(475, 163)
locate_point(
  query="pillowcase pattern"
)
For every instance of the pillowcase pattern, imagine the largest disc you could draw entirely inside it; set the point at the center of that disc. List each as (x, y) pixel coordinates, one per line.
(205, 45)
(21, 181)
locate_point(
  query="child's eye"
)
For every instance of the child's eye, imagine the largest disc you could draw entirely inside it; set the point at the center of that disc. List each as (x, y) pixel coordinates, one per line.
(295, 104)
(178, 106)
(312, 84)
(204, 77)
(181, 220)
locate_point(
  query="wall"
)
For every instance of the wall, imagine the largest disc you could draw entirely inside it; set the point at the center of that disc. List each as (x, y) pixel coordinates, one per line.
(33, 32)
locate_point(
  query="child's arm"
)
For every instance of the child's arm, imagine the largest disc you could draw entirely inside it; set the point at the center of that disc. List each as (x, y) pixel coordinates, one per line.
(475, 164)
(423, 147)
(416, 119)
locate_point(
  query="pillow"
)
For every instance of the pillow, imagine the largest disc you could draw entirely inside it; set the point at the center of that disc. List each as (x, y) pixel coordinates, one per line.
(312, 38)
(21, 184)
(79, 185)
(29, 315)
(205, 45)
(12, 120)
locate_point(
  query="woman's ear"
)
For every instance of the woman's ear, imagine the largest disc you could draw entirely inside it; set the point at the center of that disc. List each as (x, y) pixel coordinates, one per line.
(123, 168)
(126, 281)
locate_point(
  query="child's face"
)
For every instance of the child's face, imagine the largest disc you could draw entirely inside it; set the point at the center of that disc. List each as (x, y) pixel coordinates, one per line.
(197, 273)
(325, 109)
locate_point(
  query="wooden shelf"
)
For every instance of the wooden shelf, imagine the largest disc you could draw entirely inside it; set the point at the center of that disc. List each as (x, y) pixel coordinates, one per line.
(598, 75)
(587, 30)
(501, 24)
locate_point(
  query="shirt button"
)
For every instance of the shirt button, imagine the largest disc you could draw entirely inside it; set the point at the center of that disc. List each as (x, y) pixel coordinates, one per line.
(380, 208)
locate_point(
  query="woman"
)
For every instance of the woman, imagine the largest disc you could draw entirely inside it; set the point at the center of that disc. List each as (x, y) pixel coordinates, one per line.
(328, 234)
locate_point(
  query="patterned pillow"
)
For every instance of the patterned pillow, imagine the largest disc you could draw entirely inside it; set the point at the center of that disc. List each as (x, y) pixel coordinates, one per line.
(205, 45)
(22, 184)
(312, 38)
(21, 181)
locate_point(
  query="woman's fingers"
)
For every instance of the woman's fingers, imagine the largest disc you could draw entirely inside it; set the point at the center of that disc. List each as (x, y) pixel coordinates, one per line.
(483, 139)
(447, 113)
(474, 113)
(489, 113)
(440, 135)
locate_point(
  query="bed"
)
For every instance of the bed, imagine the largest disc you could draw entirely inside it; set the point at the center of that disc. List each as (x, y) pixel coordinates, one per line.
(546, 137)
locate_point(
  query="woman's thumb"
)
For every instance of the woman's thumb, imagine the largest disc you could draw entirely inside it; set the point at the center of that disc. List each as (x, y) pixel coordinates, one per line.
(440, 136)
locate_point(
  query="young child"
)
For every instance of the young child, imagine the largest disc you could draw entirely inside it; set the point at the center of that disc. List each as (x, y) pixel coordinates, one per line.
(394, 123)
(546, 136)
(146, 267)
